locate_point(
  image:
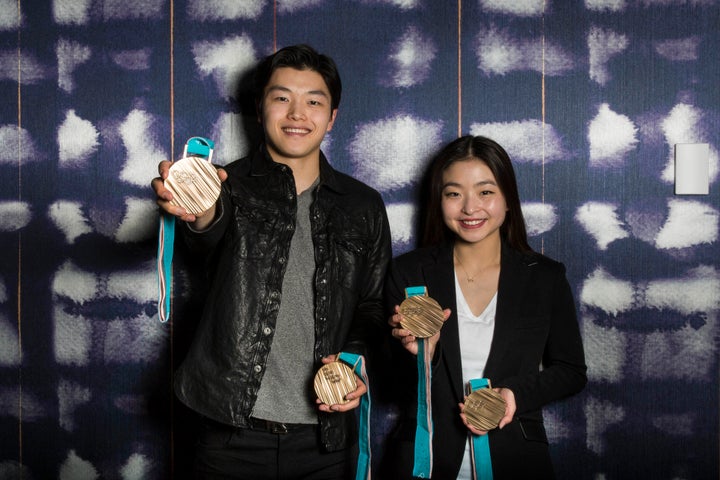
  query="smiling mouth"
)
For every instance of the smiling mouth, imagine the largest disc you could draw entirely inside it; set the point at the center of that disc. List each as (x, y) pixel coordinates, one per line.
(296, 130)
(472, 223)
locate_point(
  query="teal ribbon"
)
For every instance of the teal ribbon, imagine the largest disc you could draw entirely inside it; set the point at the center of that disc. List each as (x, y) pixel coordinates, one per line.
(423, 460)
(166, 245)
(196, 147)
(480, 447)
(199, 147)
(364, 454)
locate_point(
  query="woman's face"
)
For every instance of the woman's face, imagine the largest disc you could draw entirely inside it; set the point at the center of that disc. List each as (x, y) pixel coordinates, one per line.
(473, 206)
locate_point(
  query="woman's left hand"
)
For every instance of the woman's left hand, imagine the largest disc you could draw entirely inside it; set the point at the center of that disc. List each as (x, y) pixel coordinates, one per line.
(510, 407)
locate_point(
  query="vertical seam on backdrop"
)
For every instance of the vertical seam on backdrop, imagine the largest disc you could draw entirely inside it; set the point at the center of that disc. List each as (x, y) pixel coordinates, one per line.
(542, 129)
(19, 250)
(172, 79)
(275, 26)
(459, 67)
(171, 333)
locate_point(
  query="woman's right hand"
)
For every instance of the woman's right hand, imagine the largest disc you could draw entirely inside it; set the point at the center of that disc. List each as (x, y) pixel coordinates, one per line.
(407, 339)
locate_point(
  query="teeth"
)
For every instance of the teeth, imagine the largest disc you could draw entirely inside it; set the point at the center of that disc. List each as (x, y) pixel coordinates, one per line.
(295, 130)
(472, 222)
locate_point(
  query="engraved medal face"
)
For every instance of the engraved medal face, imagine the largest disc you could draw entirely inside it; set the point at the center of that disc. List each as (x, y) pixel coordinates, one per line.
(484, 408)
(194, 184)
(333, 382)
(422, 315)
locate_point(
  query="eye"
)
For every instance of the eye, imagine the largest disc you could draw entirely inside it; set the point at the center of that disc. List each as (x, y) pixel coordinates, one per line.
(451, 194)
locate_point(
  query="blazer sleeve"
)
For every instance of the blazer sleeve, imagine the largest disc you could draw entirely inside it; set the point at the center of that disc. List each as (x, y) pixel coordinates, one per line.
(398, 378)
(563, 371)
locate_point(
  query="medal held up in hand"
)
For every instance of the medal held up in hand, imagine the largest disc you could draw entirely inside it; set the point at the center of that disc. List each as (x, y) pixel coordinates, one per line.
(193, 179)
(484, 408)
(422, 315)
(195, 186)
(333, 382)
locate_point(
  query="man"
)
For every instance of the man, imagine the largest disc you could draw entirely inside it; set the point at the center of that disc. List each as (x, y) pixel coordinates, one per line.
(298, 253)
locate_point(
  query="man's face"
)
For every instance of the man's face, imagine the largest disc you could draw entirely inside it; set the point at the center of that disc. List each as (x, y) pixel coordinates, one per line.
(296, 114)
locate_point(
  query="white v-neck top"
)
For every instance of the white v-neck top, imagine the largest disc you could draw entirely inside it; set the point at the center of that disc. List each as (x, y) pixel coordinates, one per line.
(476, 333)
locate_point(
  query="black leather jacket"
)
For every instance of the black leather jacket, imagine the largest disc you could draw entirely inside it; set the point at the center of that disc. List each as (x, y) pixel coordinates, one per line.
(248, 245)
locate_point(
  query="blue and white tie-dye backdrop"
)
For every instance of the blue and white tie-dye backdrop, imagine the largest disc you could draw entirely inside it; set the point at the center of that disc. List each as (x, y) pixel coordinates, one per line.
(589, 97)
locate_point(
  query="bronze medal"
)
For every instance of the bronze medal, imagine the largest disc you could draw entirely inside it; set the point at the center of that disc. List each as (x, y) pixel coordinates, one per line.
(194, 184)
(484, 408)
(422, 315)
(333, 382)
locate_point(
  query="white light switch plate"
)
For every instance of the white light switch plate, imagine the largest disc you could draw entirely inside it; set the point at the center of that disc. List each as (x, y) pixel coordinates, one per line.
(692, 168)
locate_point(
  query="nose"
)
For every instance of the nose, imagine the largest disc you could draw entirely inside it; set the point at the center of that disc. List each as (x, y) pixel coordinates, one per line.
(469, 206)
(473, 204)
(296, 112)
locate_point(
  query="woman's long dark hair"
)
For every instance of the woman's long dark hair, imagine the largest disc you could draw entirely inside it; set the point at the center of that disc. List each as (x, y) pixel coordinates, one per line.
(512, 231)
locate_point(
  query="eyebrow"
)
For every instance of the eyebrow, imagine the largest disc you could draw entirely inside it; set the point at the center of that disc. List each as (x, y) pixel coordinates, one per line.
(478, 184)
(286, 89)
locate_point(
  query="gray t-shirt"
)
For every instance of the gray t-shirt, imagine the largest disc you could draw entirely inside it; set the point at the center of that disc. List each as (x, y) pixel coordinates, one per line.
(286, 393)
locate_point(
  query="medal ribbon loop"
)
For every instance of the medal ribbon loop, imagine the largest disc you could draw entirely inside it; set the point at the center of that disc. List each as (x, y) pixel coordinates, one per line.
(197, 147)
(423, 461)
(166, 245)
(480, 444)
(357, 362)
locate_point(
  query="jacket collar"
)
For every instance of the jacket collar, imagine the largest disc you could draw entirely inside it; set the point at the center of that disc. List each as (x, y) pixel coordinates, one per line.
(263, 164)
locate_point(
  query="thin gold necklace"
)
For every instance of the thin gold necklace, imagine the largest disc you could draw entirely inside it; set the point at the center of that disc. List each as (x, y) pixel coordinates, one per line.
(467, 277)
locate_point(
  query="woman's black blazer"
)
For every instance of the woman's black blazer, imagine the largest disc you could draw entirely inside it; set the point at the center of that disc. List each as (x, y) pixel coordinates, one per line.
(536, 352)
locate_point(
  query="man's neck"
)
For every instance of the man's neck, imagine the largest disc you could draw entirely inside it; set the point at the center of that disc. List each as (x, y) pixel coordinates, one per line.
(305, 174)
(305, 170)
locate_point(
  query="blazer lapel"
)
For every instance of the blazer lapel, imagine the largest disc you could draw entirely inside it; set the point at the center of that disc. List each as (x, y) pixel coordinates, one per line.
(511, 284)
(440, 280)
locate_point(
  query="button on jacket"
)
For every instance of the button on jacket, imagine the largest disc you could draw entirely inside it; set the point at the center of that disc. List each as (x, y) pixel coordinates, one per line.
(247, 246)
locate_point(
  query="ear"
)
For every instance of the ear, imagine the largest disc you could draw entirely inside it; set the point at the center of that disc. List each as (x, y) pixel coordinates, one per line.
(333, 116)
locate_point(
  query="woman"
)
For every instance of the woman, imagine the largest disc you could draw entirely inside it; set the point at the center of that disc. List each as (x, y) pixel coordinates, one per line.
(511, 319)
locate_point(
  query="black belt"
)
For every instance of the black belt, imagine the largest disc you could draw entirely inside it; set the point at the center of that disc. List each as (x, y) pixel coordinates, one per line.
(277, 427)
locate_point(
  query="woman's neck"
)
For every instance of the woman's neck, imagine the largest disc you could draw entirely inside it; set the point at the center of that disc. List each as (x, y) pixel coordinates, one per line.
(478, 256)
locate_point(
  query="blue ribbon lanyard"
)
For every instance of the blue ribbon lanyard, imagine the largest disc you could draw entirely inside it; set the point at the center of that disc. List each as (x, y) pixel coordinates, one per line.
(423, 462)
(196, 147)
(480, 444)
(357, 362)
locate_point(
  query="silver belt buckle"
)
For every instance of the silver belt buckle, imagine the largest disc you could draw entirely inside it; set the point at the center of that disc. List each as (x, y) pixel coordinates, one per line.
(277, 428)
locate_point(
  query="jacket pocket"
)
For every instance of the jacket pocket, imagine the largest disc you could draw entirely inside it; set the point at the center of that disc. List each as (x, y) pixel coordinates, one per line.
(533, 430)
(256, 228)
(350, 252)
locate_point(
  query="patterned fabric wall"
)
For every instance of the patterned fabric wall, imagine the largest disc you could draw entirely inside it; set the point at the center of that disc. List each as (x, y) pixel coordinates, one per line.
(589, 98)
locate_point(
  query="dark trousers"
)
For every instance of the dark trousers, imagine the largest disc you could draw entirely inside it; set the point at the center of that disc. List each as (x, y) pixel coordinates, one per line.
(225, 452)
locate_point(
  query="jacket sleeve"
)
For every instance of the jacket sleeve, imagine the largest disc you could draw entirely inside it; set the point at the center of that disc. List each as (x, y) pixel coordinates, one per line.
(396, 372)
(369, 316)
(207, 240)
(563, 370)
